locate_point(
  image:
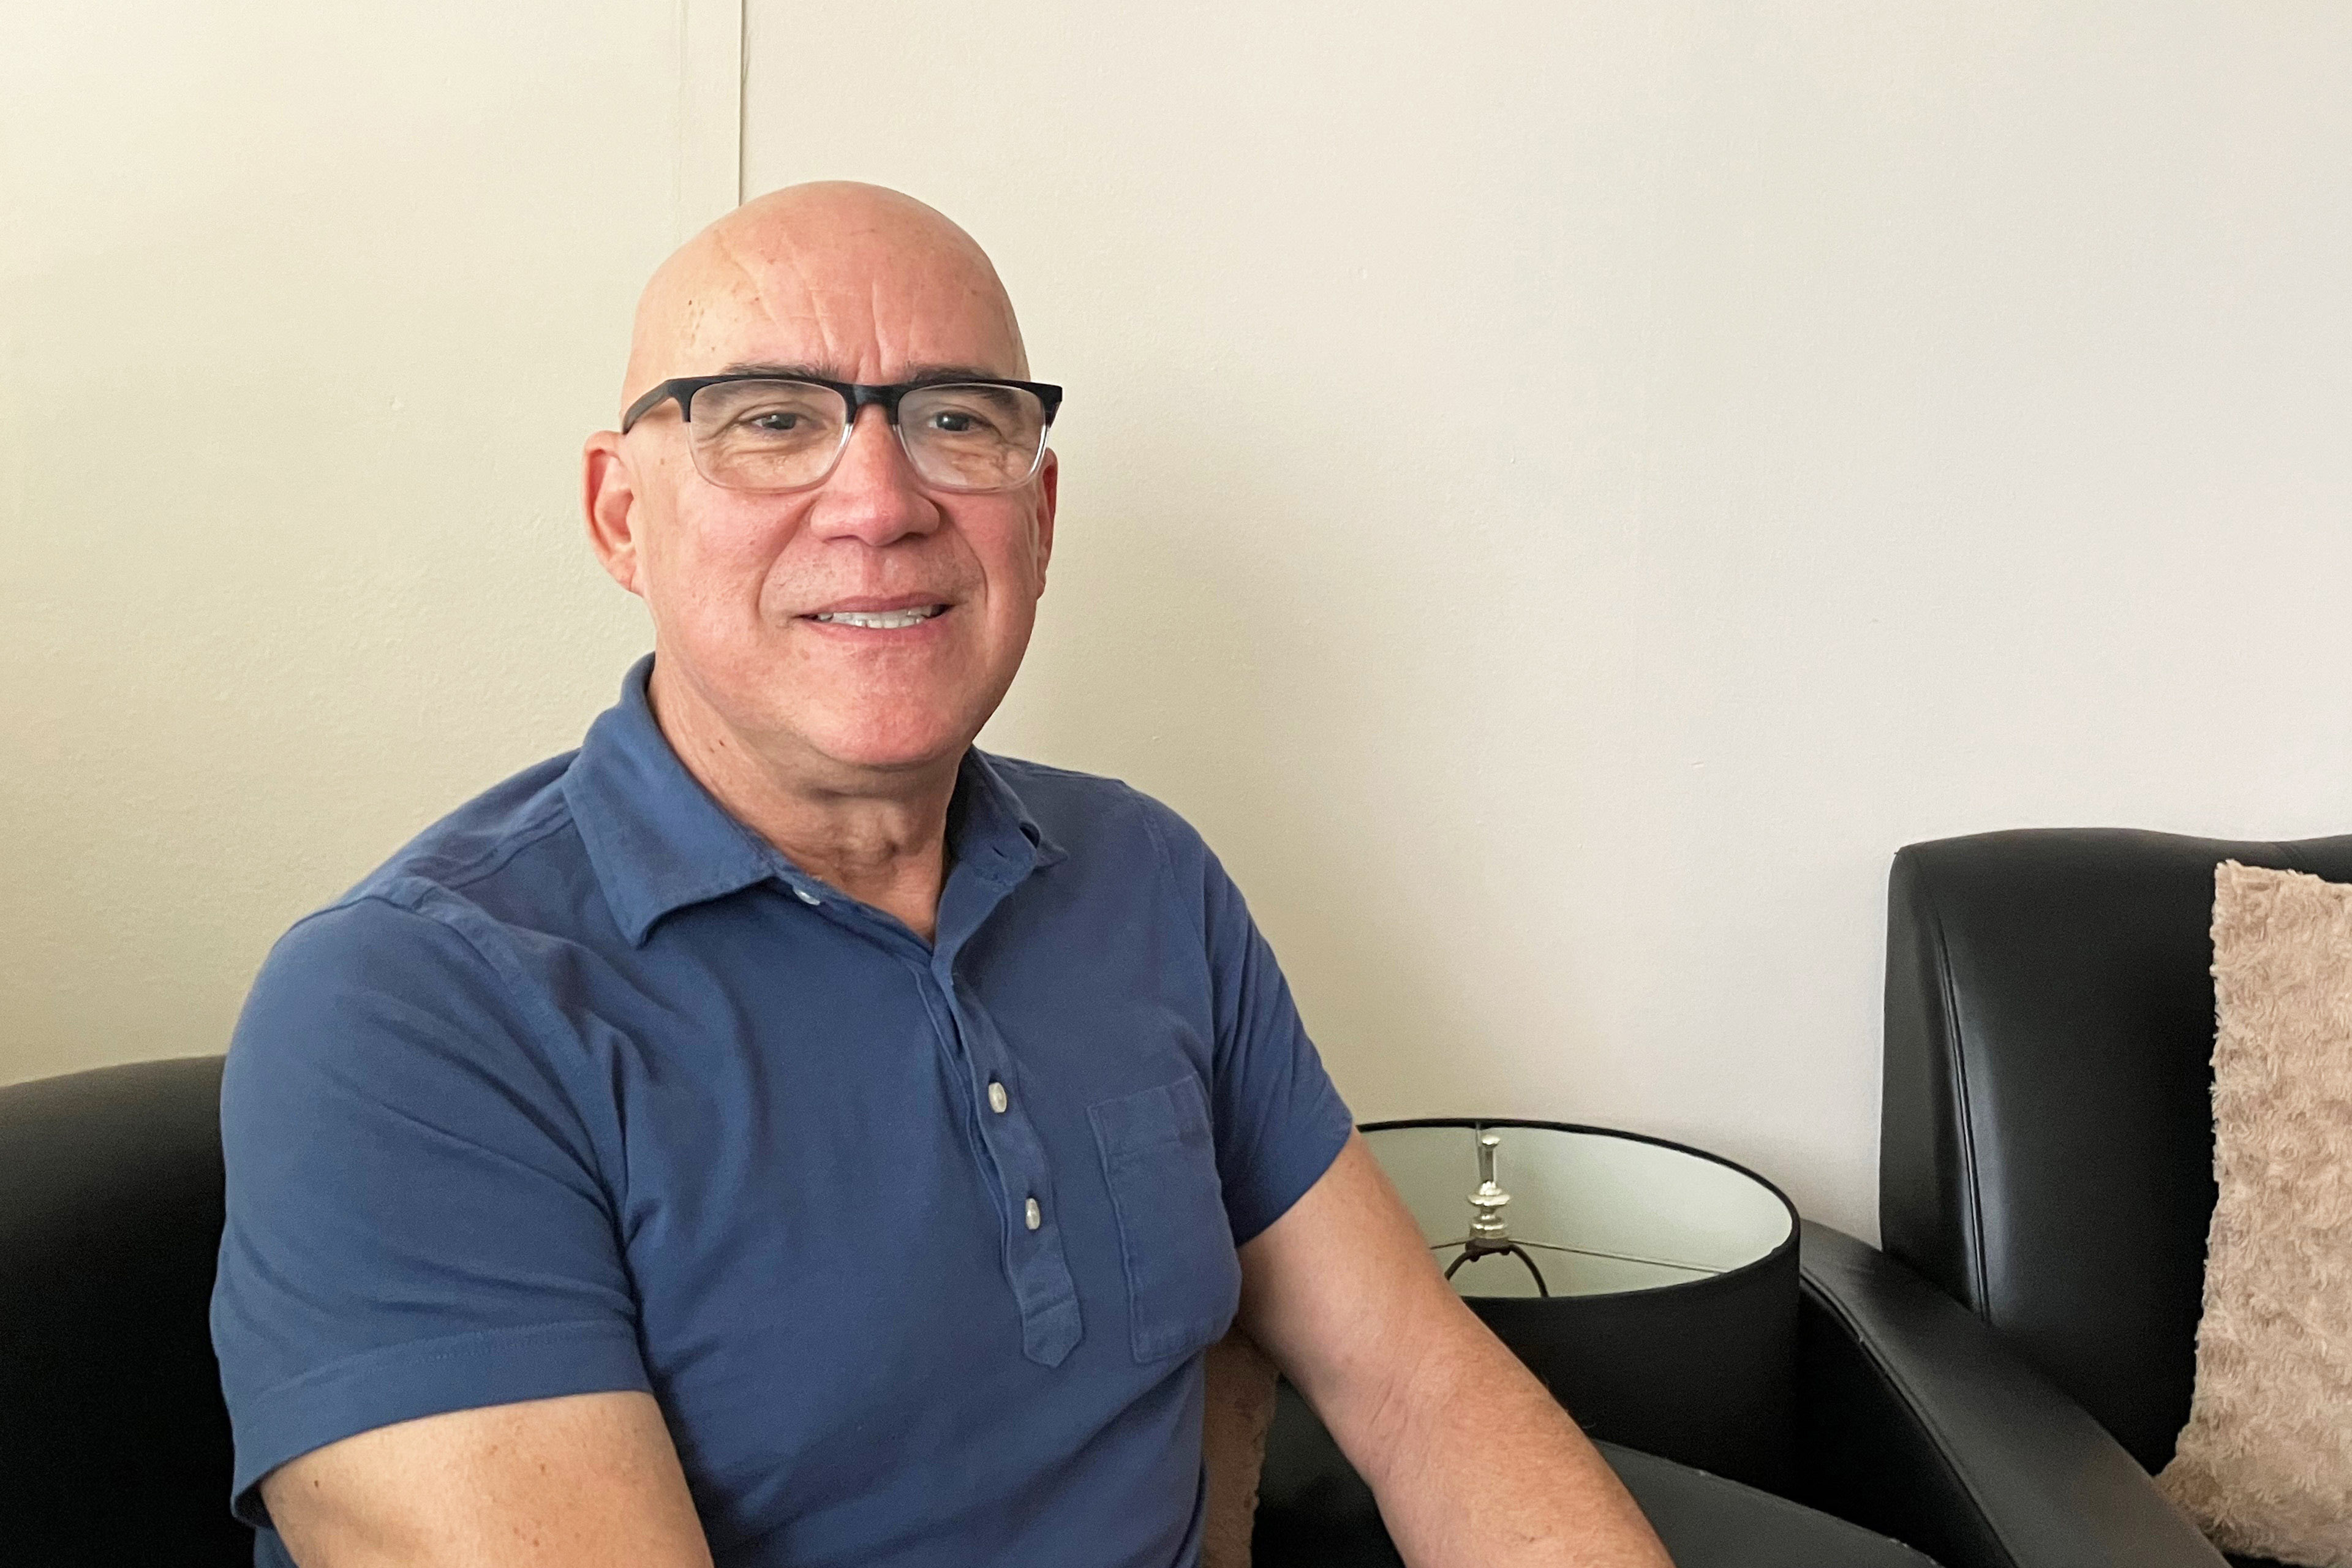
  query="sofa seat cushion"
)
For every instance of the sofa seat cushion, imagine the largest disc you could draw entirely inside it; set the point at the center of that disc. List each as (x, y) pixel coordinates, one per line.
(1706, 1521)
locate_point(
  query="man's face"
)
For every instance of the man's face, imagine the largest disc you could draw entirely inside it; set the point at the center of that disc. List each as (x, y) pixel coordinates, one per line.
(735, 580)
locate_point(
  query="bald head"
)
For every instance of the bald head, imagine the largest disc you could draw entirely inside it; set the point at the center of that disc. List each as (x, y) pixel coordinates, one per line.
(863, 283)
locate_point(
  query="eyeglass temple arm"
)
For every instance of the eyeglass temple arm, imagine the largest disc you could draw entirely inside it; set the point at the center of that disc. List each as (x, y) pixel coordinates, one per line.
(679, 389)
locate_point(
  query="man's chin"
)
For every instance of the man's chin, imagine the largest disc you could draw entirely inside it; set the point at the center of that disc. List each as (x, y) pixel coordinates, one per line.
(894, 749)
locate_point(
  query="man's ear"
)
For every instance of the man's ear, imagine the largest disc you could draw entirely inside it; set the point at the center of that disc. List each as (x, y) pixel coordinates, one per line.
(1049, 490)
(609, 497)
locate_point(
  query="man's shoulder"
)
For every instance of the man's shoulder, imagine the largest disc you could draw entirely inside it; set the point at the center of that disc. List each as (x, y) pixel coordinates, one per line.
(1090, 812)
(510, 855)
(426, 942)
(480, 842)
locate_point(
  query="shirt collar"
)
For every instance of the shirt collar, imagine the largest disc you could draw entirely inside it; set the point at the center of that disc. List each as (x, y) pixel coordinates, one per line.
(658, 841)
(991, 829)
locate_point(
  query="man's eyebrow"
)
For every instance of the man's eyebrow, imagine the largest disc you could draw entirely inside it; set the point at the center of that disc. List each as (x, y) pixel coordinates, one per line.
(780, 372)
(913, 373)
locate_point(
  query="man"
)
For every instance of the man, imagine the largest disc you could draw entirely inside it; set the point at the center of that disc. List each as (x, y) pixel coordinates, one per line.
(780, 1133)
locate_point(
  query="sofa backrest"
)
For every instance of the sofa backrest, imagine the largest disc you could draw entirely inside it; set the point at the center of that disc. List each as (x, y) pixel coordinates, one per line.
(114, 1443)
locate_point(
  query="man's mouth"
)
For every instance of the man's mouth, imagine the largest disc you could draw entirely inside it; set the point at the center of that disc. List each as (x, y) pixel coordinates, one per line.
(880, 620)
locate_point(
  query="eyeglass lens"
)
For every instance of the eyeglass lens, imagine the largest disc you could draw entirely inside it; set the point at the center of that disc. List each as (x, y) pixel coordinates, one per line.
(787, 435)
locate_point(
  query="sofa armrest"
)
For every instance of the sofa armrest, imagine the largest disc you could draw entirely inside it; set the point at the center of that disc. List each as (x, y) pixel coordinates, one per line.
(1918, 1421)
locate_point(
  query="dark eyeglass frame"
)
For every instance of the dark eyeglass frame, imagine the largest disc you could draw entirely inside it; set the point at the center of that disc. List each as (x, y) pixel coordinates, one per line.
(680, 389)
(857, 394)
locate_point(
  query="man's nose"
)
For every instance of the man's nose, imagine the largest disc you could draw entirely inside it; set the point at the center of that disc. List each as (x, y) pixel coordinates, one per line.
(872, 494)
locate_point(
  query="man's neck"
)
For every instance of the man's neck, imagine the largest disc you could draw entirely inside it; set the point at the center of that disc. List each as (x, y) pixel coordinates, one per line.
(882, 840)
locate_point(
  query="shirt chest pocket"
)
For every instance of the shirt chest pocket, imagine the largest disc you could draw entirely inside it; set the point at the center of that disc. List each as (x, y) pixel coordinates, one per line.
(1183, 1278)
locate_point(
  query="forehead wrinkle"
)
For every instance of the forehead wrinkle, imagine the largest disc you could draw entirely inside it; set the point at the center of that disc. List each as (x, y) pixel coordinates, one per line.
(952, 272)
(761, 277)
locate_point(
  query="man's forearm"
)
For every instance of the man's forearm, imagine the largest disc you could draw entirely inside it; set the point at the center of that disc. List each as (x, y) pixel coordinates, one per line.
(1475, 1464)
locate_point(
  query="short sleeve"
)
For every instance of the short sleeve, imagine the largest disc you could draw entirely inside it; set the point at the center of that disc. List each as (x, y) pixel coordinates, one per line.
(415, 1219)
(1279, 1120)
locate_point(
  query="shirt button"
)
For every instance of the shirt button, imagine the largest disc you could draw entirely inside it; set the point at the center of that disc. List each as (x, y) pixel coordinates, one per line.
(804, 896)
(1033, 1215)
(997, 1101)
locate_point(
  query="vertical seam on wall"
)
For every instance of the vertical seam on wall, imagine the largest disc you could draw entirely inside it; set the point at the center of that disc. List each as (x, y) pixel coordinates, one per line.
(742, 82)
(681, 173)
(712, 69)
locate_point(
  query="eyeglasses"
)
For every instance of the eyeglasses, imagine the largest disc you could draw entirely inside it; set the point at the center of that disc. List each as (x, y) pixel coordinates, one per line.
(772, 433)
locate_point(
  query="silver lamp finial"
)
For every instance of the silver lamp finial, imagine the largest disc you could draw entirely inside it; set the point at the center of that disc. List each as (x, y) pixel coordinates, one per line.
(1486, 1223)
(1488, 1233)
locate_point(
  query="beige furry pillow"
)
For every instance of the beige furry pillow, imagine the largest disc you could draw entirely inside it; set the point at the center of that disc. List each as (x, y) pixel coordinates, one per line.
(2265, 1463)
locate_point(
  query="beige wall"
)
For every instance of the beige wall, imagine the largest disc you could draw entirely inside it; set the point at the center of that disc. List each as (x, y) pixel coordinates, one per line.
(1561, 492)
(303, 311)
(1558, 493)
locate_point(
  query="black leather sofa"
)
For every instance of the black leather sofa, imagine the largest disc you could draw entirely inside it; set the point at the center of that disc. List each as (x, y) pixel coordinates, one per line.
(1993, 1388)
(2047, 1151)
(114, 1443)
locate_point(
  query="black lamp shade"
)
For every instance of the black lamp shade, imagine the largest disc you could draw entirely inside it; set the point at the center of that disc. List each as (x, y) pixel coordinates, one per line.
(1671, 1322)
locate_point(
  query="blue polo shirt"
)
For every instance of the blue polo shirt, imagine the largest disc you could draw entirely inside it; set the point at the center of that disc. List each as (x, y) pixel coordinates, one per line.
(918, 1244)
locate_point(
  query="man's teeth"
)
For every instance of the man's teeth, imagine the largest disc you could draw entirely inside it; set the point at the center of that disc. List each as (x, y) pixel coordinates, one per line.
(880, 620)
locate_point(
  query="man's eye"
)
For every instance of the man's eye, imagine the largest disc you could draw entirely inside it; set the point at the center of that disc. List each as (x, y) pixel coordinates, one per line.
(961, 422)
(776, 420)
